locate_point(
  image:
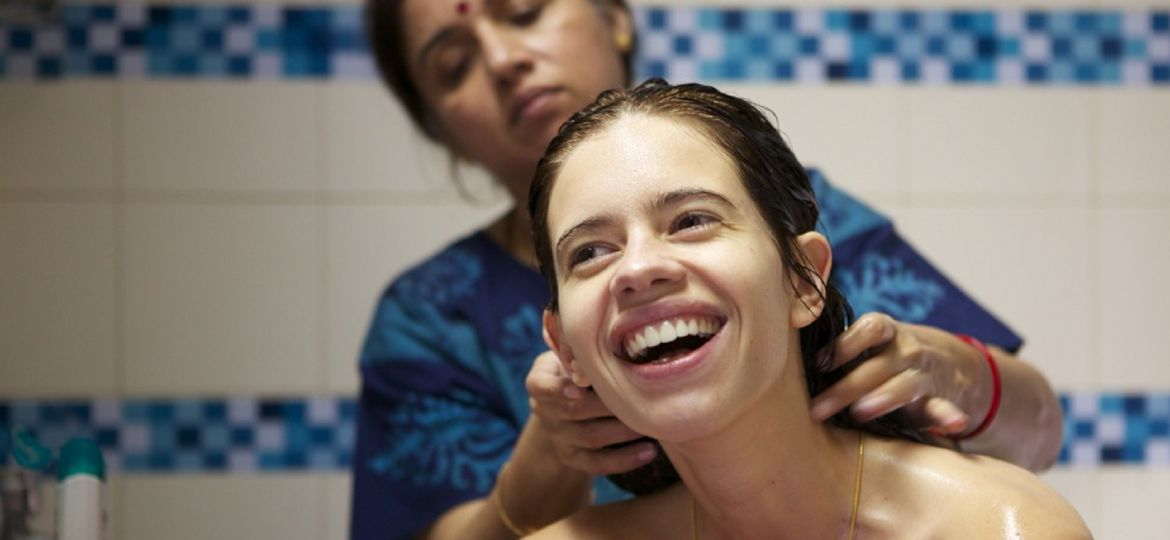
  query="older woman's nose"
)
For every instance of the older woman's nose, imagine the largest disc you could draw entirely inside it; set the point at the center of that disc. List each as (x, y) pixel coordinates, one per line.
(646, 269)
(504, 53)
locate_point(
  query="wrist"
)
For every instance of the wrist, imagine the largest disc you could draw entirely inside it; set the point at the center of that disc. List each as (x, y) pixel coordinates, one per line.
(987, 387)
(534, 488)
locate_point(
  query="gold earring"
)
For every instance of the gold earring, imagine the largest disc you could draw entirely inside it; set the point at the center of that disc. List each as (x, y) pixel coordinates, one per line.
(623, 41)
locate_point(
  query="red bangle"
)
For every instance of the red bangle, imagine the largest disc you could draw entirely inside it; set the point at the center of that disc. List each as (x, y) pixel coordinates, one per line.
(996, 388)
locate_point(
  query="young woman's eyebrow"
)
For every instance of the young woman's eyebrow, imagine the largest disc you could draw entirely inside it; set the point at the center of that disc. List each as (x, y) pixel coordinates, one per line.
(679, 196)
(588, 225)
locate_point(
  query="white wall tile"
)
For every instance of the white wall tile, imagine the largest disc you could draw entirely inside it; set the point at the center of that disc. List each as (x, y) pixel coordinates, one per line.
(367, 246)
(1030, 266)
(1082, 489)
(1000, 141)
(854, 134)
(1134, 293)
(57, 299)
(336, 490)
(57, 135)
(371, 145)
(221, 298)
(183, 506)
(211, 135)
(1133, 503)
(1134, 137)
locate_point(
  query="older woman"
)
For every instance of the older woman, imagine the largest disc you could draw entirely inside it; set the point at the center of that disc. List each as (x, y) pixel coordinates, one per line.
(690, 289)
(444, 400)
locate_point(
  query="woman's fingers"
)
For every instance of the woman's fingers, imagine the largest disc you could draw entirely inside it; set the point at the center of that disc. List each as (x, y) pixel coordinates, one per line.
(871, 330)
(859, 382)
(901, 390)
(614, 460)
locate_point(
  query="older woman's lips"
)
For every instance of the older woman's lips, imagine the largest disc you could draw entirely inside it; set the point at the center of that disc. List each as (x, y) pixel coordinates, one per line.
(532, 103)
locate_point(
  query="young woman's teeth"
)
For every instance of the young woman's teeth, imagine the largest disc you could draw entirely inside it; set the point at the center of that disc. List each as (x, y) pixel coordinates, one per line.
(667, 331)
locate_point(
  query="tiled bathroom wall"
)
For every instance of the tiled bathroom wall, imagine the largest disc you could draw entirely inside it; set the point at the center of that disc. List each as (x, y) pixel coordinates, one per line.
(191, 243)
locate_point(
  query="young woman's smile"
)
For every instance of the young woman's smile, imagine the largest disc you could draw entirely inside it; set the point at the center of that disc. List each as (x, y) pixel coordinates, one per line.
(655, 243)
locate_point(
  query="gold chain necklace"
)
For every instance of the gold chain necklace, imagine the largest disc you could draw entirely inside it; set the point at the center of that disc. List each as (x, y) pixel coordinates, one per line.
(856, 494)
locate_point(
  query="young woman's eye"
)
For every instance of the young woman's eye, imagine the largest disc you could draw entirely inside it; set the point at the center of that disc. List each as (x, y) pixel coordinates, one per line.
(694, 220)
(586, 254)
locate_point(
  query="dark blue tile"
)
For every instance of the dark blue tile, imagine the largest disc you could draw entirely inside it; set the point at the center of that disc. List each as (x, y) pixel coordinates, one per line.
(655, 69)
(734, 70)
(294, 411)
(986, 47)
(270, 410)
(243, 436)
(239, 66)
(1159, 428)
(962, 72)
(185, 14)
(160, 413)
(103, 64)
(911, 72)
(215, 461)
(1085, 21)
(158, 15)
(214, 411)
(1133, 454)
(77, 38)
(1062, 48)
(1134, 405)
(909, 20)
(51, 413)
(1036, 21)
(1160, 22)
(1112, 454)
(732, 20)
(212, 40)
(107, 437)
(239, 14)
(1111, 47)
(783, 71)
(682, 45)
(320, 436)
(158, 461)
(782, 20)
(656, 18)
(103, 13)
(859, 21)
(187, 437)
(20, 39)
(295, 460)
(1086, 73)
(809, 46)
(133, 38)
(837, 71)
(1160, 73)
(885, 45)
(347, 409)
(962, 21)
(936, 46)
(1084, 429)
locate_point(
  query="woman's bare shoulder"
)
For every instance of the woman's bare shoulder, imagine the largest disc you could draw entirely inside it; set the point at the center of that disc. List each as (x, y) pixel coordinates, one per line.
(651, 516)
(978, 496)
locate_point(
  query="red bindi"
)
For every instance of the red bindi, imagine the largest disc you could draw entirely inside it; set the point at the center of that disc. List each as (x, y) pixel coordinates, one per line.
(461, 8)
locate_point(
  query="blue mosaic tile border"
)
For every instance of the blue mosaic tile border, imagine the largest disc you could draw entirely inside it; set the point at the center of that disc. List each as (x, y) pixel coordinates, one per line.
(802, 46)
(317, 434)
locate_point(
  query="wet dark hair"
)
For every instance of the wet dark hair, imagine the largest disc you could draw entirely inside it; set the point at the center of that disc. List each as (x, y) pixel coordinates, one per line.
(772, 177)
(384, 29)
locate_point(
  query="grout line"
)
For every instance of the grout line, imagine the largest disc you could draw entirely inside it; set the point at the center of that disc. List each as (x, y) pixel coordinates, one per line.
(119, 163)
(323, 245)
(1095, 251)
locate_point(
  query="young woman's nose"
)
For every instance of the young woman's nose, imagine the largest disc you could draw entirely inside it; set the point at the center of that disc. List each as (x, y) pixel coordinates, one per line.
(645, 266)
(503, 53)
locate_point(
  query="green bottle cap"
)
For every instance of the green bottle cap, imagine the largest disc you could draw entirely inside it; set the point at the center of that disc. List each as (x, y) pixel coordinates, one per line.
(81, 456)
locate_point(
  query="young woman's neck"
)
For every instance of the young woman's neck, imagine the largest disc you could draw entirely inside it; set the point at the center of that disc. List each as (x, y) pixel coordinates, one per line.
(773, 473)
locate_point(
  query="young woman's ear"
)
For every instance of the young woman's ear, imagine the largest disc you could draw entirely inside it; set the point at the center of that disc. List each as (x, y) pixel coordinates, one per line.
(810, 297)
(554, 338)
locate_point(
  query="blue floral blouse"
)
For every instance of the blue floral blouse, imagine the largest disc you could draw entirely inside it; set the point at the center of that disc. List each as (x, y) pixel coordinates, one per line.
(442, 396)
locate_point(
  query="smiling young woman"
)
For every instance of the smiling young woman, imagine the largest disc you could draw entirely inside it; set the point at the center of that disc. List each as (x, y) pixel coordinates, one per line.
(456, 380)
(667, 205)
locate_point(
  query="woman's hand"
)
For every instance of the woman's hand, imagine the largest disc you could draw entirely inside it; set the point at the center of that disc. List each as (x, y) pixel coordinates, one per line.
(945, 385)
(907, 370)
(584, 433)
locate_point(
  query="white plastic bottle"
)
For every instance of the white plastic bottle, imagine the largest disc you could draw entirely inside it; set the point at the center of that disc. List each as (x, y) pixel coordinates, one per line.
(81, 474)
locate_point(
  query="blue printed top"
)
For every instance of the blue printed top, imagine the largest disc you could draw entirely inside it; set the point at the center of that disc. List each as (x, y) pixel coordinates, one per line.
(443, 400)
